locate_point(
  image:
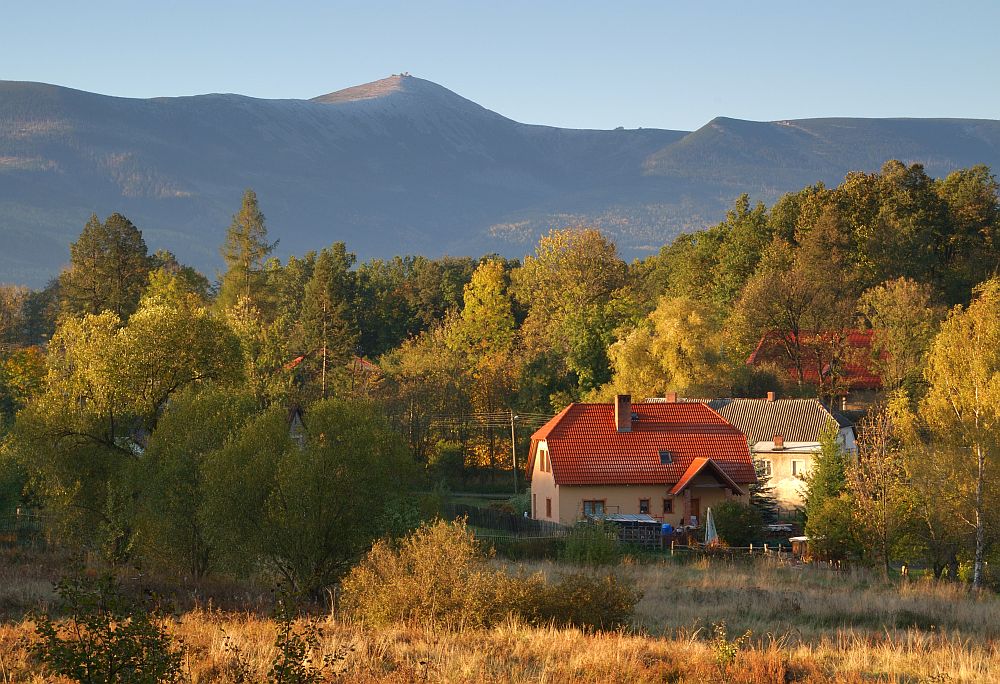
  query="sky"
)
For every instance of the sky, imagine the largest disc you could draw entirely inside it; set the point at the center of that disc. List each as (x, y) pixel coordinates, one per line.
(581, 64)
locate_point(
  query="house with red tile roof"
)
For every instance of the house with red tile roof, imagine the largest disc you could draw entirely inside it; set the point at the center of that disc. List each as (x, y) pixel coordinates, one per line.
(669, 460)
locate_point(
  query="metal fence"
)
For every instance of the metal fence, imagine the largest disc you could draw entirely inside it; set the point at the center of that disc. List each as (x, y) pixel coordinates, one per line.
(22, 528)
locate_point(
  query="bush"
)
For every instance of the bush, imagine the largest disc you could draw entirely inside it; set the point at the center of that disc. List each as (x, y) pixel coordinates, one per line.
(439, 575)
(586, 601)
(738, 524)
(446, 461)
(106, 637)
(592, 544)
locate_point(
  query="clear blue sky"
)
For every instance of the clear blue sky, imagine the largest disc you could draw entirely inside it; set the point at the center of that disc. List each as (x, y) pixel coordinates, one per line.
(662, 63)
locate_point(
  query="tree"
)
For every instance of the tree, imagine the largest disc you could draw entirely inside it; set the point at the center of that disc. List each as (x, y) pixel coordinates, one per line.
(325, 330)
(108, 271)
(829, 509)
(903, 320)
(245, 250)
(13, 300)
(762, 495)
(306, 511)
(169, 526)
(962, 406)
(738, 524)
(677, 348)
(877, 484)
(106, 387)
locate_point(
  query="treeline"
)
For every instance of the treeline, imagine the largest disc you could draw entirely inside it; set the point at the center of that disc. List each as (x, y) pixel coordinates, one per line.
(132, 378)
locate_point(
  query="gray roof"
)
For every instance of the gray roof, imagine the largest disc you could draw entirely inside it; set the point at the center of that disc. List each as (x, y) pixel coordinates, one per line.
(797, 420)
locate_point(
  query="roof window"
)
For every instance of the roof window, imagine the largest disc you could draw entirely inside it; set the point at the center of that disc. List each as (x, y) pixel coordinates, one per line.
(666, 458)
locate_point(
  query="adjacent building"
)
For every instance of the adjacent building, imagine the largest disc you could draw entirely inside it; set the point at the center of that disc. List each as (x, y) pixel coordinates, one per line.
(784, 437)
(669, 460)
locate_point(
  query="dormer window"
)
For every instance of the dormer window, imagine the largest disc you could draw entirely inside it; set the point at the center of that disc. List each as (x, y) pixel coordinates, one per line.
(666, 458)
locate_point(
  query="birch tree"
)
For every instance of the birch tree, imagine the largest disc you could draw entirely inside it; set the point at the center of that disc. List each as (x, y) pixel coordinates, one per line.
(962, 408)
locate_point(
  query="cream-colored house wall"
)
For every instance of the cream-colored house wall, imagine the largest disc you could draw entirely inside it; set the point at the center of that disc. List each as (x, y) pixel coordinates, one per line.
(543, 486)
(789, 489)
(625, 499)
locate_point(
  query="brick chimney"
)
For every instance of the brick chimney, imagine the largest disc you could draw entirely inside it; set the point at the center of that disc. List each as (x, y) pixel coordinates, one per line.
(779, 442)
(770, 396)
(623, 412)
(671, 397)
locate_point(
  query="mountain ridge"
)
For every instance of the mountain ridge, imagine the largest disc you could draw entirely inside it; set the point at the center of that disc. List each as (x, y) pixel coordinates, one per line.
(404, 165)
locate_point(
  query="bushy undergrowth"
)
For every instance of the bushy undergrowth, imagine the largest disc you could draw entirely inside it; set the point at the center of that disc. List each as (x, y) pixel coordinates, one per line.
(106, 636)
(439, 575)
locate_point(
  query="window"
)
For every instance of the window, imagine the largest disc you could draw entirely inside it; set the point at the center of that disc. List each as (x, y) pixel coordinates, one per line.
(543, 461)
(668, 506)
(548, 508)
(666, 457)
(798, 468)
(765, 467)
(593, 507)
(644, 506)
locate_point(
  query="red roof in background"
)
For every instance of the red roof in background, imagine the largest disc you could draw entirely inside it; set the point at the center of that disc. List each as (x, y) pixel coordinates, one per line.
(857, 372)
(586, 448)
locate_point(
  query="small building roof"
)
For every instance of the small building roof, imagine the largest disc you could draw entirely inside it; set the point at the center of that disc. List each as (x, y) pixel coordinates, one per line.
(797, 420)
(704, 464)
(585, 447)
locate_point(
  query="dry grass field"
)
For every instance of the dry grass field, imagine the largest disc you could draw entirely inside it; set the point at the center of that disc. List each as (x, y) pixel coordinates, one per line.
(806, 624)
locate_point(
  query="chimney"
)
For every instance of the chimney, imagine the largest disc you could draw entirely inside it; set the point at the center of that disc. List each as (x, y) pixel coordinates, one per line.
(770, 396)
(671, 397)
(779, 442)
(623, 412)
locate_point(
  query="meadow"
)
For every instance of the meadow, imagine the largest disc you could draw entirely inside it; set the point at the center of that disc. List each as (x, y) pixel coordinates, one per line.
(805, 624)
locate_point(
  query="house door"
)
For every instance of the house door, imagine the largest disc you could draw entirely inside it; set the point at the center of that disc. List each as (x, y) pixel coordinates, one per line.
(696, 509)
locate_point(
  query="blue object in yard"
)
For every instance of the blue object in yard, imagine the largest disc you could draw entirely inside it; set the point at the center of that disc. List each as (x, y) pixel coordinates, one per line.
(666, 529)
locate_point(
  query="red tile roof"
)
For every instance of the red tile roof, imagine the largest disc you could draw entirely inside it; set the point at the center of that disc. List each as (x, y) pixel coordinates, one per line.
(586, 448)
(857, 372)
(699, 464)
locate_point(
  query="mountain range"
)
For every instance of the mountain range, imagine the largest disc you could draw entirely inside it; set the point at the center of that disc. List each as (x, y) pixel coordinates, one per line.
(403, 165)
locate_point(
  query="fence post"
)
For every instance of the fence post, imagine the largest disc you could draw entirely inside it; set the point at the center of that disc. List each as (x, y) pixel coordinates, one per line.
(751, 548)
(765, 549)
(671, 547)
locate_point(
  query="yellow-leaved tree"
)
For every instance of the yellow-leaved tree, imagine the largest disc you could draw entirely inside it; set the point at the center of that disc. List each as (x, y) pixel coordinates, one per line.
(962, 409)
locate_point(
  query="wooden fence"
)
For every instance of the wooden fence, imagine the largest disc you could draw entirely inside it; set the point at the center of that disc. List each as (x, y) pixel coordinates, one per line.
(22, 529)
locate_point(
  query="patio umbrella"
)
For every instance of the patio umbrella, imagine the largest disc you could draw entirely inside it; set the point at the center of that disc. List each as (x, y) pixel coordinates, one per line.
(710, 534)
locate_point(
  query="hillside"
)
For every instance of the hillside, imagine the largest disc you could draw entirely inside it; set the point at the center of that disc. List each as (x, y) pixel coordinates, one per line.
(402, 165)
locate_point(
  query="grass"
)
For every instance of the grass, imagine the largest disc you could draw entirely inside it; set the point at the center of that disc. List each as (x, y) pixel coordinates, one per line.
(807, 624)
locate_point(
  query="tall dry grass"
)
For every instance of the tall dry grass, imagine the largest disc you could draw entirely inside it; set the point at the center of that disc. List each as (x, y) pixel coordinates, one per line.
(809, 625)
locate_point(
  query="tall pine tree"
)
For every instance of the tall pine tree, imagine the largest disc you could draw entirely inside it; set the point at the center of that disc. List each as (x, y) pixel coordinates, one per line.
(245, 250)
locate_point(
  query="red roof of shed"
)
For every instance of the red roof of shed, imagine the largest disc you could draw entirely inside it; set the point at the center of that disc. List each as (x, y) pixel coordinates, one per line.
(585, 448)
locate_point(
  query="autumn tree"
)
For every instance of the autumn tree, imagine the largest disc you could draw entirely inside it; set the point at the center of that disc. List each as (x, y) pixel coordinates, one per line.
(877, 482)
(962, 408)
(903, 320)
(244, 251)
(109, 267)
(571, 288)
(677, 348)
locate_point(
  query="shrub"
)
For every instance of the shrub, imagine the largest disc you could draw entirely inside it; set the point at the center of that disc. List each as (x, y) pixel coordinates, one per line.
(106, 637)
(592, 544)
(586, 601)
(446, 461)
(738, 524)
(440, 575)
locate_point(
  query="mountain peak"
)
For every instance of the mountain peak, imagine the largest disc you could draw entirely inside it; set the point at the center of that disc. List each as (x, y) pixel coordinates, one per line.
(397, 83)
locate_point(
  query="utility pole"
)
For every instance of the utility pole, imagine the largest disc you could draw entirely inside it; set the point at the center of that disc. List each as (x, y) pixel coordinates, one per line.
(513, 447)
